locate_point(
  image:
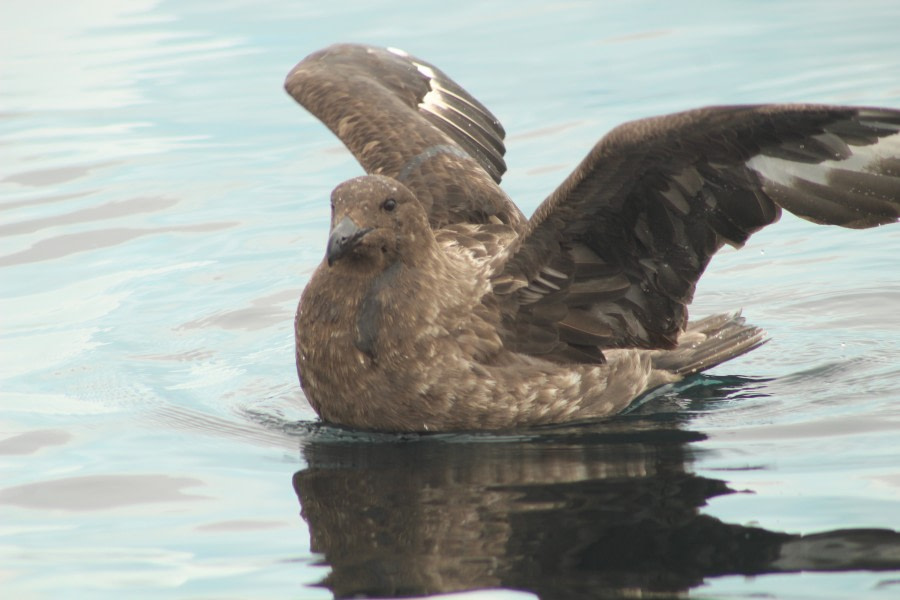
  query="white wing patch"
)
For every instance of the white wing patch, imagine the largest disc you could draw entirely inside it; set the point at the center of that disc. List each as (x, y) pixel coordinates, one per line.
(395, 51)
(862, 159)
(445, 105)
(860, 188)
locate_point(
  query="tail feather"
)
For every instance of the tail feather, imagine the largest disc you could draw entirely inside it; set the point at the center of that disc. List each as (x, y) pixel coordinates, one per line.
(709, 342)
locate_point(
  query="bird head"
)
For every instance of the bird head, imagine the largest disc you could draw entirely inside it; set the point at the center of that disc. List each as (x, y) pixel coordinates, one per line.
(374, 221)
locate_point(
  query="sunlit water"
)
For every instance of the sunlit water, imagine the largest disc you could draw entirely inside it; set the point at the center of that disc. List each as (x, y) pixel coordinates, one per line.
(162, 203)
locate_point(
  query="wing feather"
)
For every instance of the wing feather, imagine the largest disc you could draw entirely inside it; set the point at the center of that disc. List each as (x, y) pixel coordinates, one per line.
(636, 224)
(405, 118)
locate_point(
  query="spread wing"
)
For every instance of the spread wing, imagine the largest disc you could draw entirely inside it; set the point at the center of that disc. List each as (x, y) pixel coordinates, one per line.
(404, 118)
(612, 257)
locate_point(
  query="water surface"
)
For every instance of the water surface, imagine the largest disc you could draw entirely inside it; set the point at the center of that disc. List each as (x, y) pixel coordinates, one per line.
(162, 203)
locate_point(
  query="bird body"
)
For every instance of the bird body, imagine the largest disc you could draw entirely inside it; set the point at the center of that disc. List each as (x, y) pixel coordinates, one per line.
(395, 361)
(439, 307)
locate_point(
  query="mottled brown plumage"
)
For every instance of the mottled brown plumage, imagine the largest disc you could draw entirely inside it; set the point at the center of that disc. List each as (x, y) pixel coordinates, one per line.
(440, 307)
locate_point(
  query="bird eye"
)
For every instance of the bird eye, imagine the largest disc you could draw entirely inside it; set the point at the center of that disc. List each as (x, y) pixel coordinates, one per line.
(389, 204)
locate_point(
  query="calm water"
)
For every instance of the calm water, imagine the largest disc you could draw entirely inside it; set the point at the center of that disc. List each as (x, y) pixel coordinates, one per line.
(162, 203)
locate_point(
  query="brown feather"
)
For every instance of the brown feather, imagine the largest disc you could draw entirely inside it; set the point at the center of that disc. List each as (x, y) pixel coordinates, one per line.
(439, 307)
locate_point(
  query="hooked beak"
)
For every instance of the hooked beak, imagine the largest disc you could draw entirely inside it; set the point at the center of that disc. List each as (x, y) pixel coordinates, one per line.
(343, 238)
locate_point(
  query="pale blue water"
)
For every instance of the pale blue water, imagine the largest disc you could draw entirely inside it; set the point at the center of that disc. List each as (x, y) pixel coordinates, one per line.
(162, 203)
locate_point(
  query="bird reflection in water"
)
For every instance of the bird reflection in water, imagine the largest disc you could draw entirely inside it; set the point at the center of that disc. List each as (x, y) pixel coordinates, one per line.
(594, 510)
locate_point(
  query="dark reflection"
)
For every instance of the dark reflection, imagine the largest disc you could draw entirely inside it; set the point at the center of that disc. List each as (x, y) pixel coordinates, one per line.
(599, 510)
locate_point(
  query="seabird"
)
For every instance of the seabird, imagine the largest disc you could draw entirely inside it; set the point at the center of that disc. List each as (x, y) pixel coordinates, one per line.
(440, 307)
